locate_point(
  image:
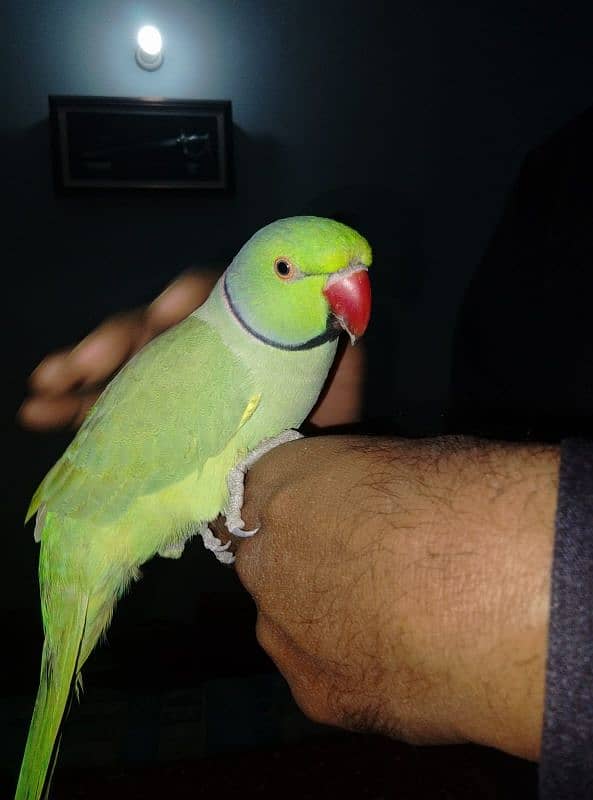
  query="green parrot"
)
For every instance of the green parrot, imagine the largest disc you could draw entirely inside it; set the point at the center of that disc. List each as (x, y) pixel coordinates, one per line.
(165, 448)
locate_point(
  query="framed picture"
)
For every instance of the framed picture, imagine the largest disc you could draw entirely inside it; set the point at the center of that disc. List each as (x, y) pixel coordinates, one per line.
(126, 143)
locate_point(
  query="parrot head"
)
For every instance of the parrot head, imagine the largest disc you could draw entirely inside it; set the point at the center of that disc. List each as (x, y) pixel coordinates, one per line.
(299, 281)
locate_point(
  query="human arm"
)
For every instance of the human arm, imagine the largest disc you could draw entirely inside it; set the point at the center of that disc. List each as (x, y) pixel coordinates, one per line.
(403, 586)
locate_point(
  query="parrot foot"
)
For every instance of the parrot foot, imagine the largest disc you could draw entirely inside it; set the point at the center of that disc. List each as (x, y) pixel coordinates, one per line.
(213, 543)
(236, 482)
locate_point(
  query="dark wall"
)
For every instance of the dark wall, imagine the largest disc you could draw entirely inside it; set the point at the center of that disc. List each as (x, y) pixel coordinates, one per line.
(410, 123)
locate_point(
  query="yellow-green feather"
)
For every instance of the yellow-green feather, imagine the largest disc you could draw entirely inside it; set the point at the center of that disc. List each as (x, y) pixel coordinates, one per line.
(145, 431)
(59, 669)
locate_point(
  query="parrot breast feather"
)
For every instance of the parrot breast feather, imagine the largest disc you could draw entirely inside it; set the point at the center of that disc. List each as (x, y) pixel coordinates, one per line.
(178, 402)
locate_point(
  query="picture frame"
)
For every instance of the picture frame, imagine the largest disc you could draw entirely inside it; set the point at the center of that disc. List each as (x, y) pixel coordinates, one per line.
(122, 143)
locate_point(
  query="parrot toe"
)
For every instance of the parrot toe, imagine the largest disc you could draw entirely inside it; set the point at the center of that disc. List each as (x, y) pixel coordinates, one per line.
(236, 482)
(212, 542)
(225, 556)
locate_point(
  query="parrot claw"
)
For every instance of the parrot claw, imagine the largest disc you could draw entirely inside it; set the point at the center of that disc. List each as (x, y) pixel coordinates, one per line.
(243, 534)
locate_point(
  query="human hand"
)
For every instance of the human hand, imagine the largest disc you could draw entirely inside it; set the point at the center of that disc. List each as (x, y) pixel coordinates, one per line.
(402, 586)
(66, 384)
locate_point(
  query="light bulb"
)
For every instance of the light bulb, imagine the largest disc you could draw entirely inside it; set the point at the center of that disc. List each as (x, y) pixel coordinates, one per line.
(149, 53)
(150, 40)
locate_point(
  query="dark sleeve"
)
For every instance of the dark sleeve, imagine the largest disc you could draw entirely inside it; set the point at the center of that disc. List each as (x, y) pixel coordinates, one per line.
(566, 763)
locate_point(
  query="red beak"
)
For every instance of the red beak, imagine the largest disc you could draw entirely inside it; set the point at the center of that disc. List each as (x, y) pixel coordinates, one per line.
(349, 296)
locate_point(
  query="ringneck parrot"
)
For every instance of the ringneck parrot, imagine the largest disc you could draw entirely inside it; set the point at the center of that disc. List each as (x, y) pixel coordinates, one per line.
(164, 449)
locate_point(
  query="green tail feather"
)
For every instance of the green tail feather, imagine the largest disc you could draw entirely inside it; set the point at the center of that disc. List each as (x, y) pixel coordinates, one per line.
(59, 668)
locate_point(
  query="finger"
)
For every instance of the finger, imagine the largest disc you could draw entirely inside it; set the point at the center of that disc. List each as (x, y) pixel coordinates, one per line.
(53, 375)
(103, 351)
(85, 402)
(179, 299)
(93, 360)
(43, 413)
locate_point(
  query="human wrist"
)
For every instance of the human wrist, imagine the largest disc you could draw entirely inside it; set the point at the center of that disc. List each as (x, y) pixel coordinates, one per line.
(472, 523)
(504, 495)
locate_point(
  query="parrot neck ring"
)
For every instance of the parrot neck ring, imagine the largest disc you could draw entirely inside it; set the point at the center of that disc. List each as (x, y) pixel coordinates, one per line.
(331, 332)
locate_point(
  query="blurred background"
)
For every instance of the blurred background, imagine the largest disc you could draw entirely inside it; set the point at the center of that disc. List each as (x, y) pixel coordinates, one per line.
(407, 120)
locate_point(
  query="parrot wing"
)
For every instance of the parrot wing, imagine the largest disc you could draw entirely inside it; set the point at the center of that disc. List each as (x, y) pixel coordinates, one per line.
(174, 405)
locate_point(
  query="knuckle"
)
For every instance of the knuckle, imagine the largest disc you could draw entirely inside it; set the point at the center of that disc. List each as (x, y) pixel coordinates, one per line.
(248, 569)
(312, 699)
(263, 633)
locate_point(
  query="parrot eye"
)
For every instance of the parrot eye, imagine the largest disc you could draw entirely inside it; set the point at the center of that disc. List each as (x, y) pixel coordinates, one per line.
(284, 269)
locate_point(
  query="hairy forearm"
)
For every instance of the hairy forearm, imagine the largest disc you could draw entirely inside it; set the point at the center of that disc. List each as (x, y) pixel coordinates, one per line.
(419, 580)
(481, 520)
